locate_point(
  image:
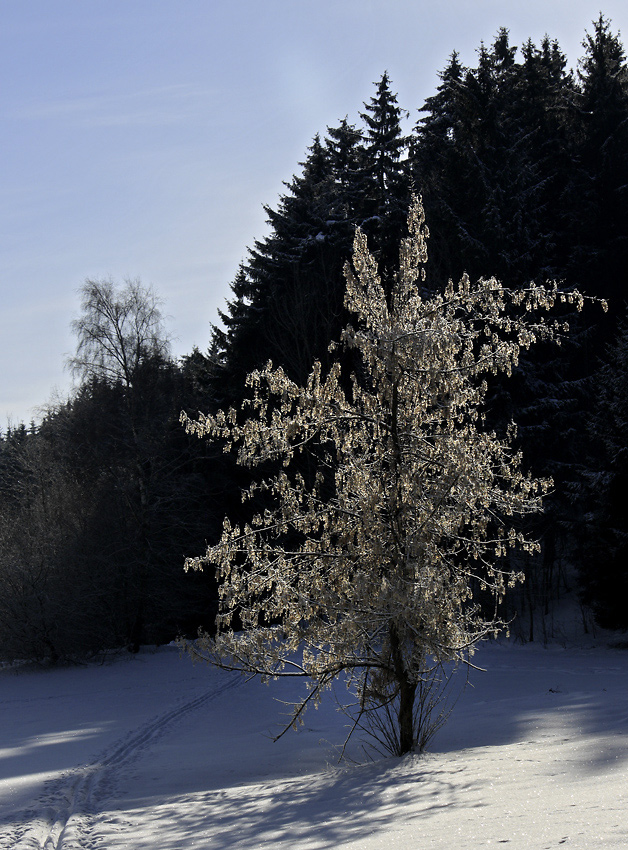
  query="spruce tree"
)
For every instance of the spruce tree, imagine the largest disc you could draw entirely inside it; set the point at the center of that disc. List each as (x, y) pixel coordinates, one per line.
(437, 166)
(385, 186)
(544, 92)
(347, 157)
(599, 231)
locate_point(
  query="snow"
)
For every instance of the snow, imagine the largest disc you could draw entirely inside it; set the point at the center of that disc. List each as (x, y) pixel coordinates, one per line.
(152, 751)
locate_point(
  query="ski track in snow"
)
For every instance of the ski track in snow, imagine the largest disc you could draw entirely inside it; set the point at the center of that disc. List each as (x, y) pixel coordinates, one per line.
(62, 819)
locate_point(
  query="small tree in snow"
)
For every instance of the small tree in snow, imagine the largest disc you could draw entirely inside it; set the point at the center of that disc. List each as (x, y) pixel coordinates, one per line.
(393, 508)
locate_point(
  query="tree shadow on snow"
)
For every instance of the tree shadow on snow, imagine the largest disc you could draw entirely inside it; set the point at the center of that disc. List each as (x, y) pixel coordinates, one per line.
(328, 810)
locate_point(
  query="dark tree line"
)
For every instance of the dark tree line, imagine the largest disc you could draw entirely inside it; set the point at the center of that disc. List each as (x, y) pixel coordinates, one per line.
(523, 169)
(100, 502)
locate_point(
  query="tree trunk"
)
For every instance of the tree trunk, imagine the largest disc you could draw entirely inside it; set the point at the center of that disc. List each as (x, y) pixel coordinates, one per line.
(407, 693)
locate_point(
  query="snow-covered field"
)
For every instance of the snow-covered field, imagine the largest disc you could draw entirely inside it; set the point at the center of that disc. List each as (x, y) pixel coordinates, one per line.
(151, 751)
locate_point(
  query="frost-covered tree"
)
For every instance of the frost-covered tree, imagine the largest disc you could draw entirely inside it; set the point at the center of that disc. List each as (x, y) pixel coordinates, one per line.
(388, 507)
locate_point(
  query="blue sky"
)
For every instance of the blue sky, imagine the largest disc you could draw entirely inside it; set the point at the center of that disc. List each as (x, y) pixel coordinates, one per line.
(140, 138)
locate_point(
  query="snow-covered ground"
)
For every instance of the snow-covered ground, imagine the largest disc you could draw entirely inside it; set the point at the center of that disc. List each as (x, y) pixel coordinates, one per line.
(154, 752)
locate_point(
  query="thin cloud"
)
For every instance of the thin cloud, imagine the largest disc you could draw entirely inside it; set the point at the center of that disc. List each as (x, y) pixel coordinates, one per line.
(164, 105)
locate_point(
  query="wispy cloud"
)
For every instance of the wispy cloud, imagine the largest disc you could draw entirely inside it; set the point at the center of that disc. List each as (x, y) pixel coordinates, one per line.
(163, 105)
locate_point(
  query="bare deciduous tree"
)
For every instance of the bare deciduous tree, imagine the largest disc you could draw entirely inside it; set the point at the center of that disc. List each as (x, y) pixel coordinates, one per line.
(119, 329)
(371, 567)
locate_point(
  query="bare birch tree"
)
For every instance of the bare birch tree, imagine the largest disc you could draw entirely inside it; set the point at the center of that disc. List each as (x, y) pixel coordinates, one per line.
(374, 565)
(119, 329)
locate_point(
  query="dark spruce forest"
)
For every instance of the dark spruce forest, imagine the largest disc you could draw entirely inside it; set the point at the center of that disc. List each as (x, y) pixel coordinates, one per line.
(522, 165)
